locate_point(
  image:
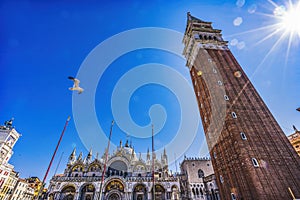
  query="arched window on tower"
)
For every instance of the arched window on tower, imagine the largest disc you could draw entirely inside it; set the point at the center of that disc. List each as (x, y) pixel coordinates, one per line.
(255, 163)
(200, 173)
(233, 196)
(243, 136)
(221, 179)
(234, 115)
(215, 155)
(226, 97)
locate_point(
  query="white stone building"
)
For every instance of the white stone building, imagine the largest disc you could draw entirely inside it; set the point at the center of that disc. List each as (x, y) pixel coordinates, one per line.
(22, 191)
(9, 185)
(8, 177)
(197, 179)
(126, 177)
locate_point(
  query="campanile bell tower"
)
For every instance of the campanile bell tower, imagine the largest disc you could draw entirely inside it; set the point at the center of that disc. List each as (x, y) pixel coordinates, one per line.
(251, 156)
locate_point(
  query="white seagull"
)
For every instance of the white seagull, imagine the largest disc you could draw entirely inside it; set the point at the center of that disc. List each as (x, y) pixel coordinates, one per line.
(76, 85)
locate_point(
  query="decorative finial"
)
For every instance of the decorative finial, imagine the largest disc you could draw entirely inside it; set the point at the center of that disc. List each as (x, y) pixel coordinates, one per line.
(74, 151)
(90, 153)
(80, 156)
(148, 154)
(126, 145)
(295, 129)
(189, 16)
(9, 123)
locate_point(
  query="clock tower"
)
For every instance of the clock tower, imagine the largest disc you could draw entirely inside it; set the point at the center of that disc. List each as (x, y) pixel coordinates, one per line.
(8, 138)
(251, 156)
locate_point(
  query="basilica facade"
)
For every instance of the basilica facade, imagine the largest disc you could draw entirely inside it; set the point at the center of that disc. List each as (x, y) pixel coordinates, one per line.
(127, 176)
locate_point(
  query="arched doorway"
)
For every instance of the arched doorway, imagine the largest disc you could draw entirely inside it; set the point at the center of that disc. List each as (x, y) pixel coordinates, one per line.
(87, 192)
(140, 192)
(114, 196)
(67, 193)
(159, 192)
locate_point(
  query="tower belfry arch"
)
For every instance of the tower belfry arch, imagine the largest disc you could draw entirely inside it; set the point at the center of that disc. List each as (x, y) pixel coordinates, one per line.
(251, 156)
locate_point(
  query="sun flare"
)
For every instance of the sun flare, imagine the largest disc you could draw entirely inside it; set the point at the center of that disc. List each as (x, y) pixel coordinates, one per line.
(282, 28)
(289, 18)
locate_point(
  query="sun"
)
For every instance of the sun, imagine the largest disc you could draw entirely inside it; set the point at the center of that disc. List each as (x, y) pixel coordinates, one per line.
(289, 18)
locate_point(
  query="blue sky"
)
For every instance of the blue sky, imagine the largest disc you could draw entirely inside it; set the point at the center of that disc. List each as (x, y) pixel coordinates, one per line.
(42, 43)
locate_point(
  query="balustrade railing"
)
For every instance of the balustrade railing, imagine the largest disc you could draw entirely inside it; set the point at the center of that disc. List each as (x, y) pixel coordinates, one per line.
(98, 178)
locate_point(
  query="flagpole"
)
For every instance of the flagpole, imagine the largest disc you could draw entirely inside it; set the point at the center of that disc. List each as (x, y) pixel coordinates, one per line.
(58, 162)
(106, 156)
(175, 162)
(153, 181)
(50, 164)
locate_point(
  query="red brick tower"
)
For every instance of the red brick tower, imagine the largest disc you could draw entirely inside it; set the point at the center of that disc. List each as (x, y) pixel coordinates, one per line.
(251, 155)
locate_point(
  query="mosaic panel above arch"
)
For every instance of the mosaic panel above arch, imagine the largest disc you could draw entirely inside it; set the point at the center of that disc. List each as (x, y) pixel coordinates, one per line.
(78, 168)
(94, 167)
(114, 184)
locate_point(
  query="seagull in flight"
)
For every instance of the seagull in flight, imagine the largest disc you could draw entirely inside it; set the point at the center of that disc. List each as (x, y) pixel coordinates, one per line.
(76, 85)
